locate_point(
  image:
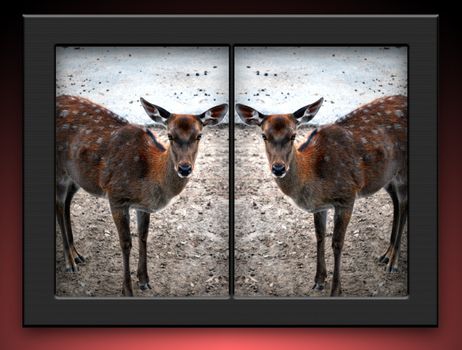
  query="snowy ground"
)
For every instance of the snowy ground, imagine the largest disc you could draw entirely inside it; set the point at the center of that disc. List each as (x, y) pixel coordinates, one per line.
(191, 79)
(284, 79)
(179, 79)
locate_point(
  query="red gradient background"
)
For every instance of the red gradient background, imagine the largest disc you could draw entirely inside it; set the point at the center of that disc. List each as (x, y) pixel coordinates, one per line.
(447, 336)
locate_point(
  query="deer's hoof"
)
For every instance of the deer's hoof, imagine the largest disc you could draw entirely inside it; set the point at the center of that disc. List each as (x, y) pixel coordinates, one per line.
(145, 286)
(336, 293)
(318, 286)
(391, 269)
(384, 259)
(72, 269)
(79, 259)
(127, 292)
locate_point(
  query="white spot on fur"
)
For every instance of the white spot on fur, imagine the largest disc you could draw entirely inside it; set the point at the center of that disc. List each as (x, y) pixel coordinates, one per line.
(136, 158)
(399, 113)
(64, 113)
(387, 112)
(97, 110)
(326, 158)
(75, 112)
(100, 140)
(88, 131)
(363, 140)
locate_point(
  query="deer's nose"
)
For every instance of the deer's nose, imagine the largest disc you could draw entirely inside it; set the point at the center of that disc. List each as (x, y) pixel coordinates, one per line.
(184, 169)
(278, 169)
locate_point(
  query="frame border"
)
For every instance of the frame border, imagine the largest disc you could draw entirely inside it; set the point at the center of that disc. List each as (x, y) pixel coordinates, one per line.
(43, 32)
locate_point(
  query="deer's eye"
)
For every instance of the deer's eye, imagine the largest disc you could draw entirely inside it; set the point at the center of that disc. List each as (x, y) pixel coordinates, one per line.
(199, 137)
(292, 137)
(263, 136)
(170, 137)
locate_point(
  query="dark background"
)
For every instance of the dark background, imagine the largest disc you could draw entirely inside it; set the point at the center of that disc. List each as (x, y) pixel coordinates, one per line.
(447, 335)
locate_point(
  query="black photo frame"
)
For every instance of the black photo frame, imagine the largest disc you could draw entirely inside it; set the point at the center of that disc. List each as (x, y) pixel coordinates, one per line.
(42, 33)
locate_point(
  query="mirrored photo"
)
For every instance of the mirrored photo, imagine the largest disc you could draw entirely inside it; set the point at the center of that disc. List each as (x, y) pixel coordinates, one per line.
(142, 171)
(321, 171)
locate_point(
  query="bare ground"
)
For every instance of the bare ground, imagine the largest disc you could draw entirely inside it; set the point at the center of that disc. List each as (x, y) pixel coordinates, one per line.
(187, 242)
(275, 252)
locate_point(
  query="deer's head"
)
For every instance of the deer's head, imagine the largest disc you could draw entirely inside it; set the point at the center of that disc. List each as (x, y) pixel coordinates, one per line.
(278, 132)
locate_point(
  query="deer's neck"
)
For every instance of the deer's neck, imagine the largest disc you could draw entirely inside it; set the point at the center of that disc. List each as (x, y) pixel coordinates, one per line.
(299, 175)
(172, 183)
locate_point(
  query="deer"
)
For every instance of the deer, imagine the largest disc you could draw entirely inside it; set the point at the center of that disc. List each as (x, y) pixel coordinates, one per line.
(107, 156)
(356, 156)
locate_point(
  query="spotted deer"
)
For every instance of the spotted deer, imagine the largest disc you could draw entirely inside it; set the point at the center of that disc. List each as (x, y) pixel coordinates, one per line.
(108, 157)
(354, 157)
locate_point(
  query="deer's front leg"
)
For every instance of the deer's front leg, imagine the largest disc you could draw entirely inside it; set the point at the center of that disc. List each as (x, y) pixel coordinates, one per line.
(143, 228)
(320, 228)
(122, 222)
(341, 219)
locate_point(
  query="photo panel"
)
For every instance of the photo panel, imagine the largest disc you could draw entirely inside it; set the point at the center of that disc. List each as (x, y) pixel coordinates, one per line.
(320, 130)
(143, 133)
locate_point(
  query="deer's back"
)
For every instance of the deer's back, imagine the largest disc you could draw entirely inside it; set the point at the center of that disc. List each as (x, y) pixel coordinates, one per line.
(357, 155)
(104, 154)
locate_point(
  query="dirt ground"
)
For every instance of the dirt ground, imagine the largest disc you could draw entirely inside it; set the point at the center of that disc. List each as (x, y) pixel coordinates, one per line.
(275, 249)
(187, 242)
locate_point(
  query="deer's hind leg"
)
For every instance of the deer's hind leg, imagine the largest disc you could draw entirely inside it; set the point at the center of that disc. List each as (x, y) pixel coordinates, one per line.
(391, 189)
(398, 194)
(64, 187)
(71, 191)
(392, 265)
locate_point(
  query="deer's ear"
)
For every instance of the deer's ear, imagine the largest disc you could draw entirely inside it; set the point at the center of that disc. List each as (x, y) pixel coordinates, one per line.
(305, 114)
(156, 113)
(249, 115)
(214, 115)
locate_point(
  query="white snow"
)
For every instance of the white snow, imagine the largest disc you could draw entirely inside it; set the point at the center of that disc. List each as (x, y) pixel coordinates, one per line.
(346, 77)
(117, 77)
(193, 79)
